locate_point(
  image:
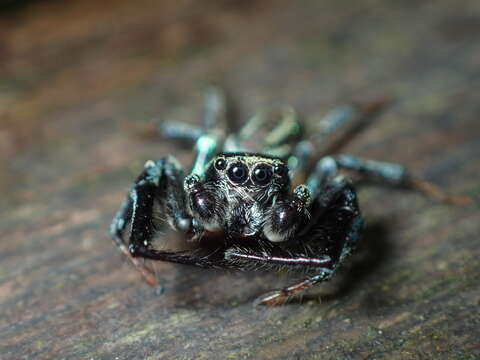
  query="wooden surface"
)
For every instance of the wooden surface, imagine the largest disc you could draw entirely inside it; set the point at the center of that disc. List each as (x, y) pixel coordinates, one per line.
(73, 73)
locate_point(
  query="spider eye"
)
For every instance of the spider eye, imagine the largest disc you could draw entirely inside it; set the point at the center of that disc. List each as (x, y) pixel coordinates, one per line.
(280, 169)
(238, 173)
(262, 174)
(220, 164)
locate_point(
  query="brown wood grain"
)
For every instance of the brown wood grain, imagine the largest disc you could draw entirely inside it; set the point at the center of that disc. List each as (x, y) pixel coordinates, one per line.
(74, 73)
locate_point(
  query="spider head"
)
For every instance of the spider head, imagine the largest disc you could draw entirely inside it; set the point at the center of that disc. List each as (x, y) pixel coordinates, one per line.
(236, 190)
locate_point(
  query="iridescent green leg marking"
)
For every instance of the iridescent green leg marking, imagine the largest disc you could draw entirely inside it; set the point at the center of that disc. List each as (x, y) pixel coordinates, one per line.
(213, 130)
(205, 150)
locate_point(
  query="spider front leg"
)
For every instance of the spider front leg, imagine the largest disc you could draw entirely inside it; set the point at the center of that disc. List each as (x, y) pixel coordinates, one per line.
(333, 232)
(158, 188)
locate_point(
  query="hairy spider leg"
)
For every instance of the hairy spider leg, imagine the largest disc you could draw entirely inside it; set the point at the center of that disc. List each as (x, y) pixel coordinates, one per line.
(334, 231)
(117, 227)
(160, 184)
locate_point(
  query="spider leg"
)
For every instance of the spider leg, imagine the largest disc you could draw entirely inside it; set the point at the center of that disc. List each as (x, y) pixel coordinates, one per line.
(180, 257)
(319, 249)
(176, 130)
(213, 131)
(328, 125)
(250, 259)
(159, 186)
(214, 119)
(273, 257)
(281, 296)
(273, 131)
(333, 128)
(383, 172)
(215, 110)
(117, 228)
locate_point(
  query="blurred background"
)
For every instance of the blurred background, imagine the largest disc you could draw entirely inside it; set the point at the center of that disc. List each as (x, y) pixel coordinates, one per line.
(73, 76)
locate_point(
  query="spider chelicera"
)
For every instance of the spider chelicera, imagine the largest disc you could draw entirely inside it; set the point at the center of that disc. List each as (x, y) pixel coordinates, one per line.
(244, 188)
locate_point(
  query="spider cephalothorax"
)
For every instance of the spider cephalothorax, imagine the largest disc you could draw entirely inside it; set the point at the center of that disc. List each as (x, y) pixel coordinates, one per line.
(238, 193)
(240, 187)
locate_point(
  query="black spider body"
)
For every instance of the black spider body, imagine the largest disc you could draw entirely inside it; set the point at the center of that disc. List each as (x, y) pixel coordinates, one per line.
(246, 196)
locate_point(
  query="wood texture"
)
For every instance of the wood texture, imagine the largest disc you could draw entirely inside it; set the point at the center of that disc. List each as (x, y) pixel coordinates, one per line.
(74, 73)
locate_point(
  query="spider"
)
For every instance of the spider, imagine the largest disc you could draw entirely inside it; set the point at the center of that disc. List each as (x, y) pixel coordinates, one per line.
(246, 189)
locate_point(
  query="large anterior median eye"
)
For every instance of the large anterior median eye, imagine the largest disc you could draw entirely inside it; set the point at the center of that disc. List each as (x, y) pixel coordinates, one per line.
(238, 173)
(262, 174)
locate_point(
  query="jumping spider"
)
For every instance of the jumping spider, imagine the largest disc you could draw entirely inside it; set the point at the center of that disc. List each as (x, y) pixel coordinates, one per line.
(240, 188)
